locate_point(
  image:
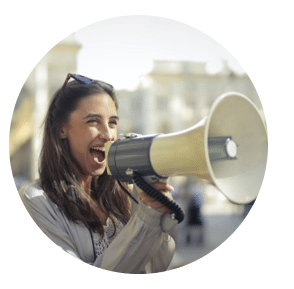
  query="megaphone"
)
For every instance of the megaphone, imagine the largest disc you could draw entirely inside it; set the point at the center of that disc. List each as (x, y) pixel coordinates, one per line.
(228, 148)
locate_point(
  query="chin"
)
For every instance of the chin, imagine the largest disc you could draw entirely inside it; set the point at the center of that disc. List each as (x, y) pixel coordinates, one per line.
(98, 172)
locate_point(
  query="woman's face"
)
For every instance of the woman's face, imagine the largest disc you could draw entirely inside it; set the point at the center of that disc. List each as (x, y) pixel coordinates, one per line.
(90, 126)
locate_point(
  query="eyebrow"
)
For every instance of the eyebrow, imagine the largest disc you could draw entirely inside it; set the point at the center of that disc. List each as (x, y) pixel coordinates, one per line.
(99, 115)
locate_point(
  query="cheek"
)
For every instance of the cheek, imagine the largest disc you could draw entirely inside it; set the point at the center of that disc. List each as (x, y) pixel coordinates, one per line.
(114, 132)
(91, 133)
(87, 137)
(79, 138)
(115, 135)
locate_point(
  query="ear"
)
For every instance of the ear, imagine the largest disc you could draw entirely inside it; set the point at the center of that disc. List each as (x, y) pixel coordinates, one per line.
(63, 133)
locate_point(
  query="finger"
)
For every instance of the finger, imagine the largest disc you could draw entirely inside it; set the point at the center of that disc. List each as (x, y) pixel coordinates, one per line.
(144, 196)
(168, 195)
(162, 186)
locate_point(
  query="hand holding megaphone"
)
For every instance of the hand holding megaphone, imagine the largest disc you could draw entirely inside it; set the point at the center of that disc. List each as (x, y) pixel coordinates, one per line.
(163, 188)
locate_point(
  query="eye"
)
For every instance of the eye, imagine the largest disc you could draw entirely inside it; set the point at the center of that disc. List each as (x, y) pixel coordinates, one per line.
(113, 122)
(92, 120)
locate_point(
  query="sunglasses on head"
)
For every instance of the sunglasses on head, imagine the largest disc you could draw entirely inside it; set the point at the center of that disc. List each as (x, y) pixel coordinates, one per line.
(85, 80)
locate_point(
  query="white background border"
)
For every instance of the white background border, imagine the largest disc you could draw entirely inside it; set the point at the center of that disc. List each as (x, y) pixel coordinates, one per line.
(259, 35)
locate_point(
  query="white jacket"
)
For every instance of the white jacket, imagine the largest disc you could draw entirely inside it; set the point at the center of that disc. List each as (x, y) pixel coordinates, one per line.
(140, 247)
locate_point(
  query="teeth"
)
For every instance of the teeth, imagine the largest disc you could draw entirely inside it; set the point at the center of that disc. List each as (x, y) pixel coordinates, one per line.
(96, 159)
(102, 149)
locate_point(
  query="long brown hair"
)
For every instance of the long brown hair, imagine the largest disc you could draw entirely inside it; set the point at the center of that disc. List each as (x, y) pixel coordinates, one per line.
(57, 173)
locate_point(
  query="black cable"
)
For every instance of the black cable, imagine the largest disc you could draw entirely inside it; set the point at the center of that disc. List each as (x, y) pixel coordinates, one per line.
(126, 191)
(152, 192)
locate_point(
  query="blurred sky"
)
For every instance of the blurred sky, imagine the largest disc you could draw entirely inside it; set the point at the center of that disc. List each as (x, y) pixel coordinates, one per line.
(120, 50)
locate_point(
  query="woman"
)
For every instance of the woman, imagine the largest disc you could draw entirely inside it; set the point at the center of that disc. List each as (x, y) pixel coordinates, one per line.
(76, 204)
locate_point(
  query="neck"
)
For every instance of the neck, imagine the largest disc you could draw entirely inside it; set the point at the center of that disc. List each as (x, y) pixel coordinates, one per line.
(85, 183)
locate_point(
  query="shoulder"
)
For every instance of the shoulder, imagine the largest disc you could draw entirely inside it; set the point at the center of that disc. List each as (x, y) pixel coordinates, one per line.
(34, 197)
(30, 191)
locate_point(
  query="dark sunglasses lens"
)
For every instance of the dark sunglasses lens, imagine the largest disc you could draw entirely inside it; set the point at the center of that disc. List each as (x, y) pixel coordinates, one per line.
(105, 85)
(83, 80)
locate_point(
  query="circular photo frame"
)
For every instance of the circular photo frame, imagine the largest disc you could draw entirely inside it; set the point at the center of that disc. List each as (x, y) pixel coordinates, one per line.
(134, 74)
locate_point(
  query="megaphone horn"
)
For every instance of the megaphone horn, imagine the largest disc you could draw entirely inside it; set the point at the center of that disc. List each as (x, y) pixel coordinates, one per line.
(228, 148)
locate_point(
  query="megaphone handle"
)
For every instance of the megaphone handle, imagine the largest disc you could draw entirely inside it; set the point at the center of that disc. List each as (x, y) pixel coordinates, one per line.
(157, 195)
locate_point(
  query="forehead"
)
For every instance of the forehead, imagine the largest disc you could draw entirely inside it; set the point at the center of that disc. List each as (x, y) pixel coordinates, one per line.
(98, 103)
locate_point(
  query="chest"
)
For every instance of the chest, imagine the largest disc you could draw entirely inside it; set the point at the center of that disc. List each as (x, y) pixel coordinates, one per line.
(101, 243)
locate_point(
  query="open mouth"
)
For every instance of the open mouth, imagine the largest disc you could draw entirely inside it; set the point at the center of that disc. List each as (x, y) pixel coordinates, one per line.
(98, 154)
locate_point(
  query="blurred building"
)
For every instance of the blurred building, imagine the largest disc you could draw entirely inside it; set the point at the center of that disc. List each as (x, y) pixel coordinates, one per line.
(177, 94)
(32, 103)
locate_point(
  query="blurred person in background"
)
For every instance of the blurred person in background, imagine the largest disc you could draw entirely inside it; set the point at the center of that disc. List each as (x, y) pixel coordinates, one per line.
(195, 220)
(77, 204)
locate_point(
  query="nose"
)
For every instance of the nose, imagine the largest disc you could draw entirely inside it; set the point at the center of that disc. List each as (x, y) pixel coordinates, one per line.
(106, 134)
